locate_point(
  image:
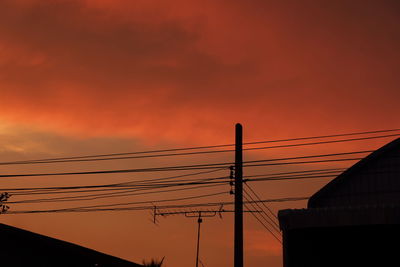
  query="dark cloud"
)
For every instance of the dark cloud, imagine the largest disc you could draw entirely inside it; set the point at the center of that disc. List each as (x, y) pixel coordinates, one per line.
(123, 68)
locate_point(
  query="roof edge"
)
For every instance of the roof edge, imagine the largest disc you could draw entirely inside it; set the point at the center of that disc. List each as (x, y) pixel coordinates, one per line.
(3, 225)
(387, 147)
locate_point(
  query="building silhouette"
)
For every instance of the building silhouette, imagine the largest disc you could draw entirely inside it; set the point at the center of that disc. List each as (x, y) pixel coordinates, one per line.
(352, 221)
(21, 248)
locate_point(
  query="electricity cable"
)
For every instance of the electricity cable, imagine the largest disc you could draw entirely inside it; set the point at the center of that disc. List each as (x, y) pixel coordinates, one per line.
(113, 156)
(263, 224)
(258, 198)
(262, 214)
(141, 208)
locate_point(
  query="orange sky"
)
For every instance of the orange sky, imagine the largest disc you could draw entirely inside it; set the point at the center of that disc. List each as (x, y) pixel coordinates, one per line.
(98, 76)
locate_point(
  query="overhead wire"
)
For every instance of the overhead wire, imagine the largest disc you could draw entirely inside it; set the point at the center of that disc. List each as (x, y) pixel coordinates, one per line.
(301, 162)
(117, 189)
(117, 156)
(151, 207)
(117, 186)
(134, 192)
(152, 201)
(311, 156)
(322, 136)
(322, 142)
(261, 222)
(212, 166)
(162, 183)
(131, 182)
(169, 168)
(126, 193)
(131, 192)
(142, 202)
(262, 214)
(265, 206)
(289, 178)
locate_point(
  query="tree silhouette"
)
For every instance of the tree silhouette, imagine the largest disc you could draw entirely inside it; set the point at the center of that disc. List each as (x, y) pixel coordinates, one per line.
(153, 263)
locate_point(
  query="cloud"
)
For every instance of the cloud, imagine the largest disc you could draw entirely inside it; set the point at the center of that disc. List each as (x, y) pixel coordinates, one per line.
(186, 71)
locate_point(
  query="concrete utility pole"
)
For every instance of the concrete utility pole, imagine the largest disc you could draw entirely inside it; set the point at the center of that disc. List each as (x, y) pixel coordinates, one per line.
(238, 251)
(199, 221)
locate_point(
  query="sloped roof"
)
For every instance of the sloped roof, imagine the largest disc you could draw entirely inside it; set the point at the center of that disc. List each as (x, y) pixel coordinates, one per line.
(332, 186)
(20, 247)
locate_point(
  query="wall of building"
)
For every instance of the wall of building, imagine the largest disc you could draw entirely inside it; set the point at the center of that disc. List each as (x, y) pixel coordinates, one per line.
(358, 246)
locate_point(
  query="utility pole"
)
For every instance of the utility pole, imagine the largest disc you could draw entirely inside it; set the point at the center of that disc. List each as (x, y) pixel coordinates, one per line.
(199, 221)
(238, 239)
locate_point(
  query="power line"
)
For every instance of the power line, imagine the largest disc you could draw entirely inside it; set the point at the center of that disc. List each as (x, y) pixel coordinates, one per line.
(168, 168)
(122, 192)
(151, 207)
(49, 161)
(312, 156)
(258, 198)
(262, 223)
(264, 215)
(322, 142)
(275, 176)
(289, 178)
(124, 185)
(133, 192)
(125, 193)
(119, 189)
(133, 186)
(152, 201)
(301, 162)
(322, 136)
(129, 191)
(212, 166)
(119, 156)
(297, 173)
(132, 182)
(207, 181)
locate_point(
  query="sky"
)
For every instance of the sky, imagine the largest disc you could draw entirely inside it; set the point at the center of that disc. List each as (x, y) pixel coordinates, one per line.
(81, 77)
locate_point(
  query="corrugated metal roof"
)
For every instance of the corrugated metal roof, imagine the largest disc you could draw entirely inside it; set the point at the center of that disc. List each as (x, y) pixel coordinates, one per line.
(373, 180)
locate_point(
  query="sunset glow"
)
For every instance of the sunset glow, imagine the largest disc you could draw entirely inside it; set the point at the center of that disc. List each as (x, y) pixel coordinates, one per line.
(82, 77)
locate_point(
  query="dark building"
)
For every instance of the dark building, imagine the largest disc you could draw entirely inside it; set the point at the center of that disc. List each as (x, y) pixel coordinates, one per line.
(352, 221)
(21, 248)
